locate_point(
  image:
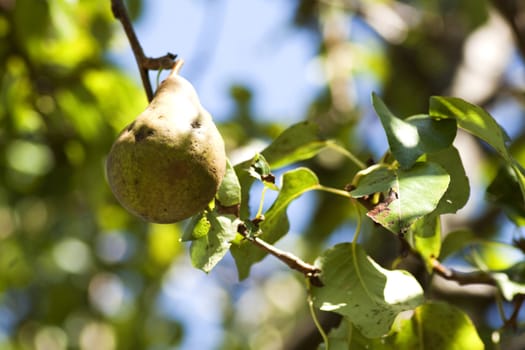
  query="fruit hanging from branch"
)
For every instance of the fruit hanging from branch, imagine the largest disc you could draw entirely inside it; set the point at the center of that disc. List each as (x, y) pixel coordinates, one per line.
(169, 162)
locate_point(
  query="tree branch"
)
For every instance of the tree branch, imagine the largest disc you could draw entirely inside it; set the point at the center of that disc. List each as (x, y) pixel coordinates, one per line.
(295, 263)
(144, 63)
(463, 278)
(512, 11)
(479, 277)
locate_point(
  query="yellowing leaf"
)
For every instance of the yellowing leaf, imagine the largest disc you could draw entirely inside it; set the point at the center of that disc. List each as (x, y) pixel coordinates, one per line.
(436, 326)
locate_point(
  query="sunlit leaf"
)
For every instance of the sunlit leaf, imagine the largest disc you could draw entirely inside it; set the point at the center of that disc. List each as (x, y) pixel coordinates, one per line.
(478, 122)
(275, 224)
(358, 288)
(414, 136)
(436, 326)
(411, 193)
(299, 142)
(434, 134)
(425, 238)
(492, 255)
(473, 119)
(509, 288)
(502, 261)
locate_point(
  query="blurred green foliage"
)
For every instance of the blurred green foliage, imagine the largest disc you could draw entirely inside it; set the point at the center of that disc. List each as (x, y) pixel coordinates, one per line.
(67, 248)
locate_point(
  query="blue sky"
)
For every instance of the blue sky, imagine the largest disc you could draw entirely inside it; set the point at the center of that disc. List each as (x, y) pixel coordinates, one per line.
(227, 41)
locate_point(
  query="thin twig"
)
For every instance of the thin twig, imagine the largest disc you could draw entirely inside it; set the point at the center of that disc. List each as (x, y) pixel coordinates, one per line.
(480, 277)
(463, 278)
(144, 63)
(294, 262)
(512, 322)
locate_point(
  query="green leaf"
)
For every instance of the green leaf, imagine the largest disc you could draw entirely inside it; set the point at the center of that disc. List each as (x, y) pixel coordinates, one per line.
(275, 225)
(260, 170)
(491, 255)
(229, 193)
(346, 337)
(358, 288)
(198, 227)
(208, 250)
(454, 242)
(494, 257)
(511, 281)
(508, 288)
(411, 194)
(458, 190)
(377, 178)
(434, 134)
(505, 192)
(414, 136)
(519, 171)
(436, 326)
(478, 122)
(473, 119)
(426, 238)
(425, 235)
(299, 142)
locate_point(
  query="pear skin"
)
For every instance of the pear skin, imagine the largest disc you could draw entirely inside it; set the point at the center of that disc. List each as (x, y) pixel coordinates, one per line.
(167, 165)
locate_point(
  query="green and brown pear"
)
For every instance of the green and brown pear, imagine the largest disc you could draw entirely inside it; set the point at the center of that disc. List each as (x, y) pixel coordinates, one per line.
(167, 165)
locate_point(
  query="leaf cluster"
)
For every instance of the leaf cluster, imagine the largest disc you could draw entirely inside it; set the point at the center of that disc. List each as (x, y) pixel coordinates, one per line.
(420, 178)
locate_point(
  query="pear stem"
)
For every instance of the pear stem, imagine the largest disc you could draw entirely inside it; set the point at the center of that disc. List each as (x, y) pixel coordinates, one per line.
(144, 63)
(176, 68)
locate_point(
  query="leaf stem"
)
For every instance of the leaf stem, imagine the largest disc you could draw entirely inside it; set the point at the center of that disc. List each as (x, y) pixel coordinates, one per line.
(501, 311)
(336, 191)
(144, 63)
(158, 78)
(358, 225)
(314, 315)
(261, 203)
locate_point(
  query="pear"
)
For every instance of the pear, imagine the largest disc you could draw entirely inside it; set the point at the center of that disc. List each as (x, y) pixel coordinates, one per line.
(167, 165)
